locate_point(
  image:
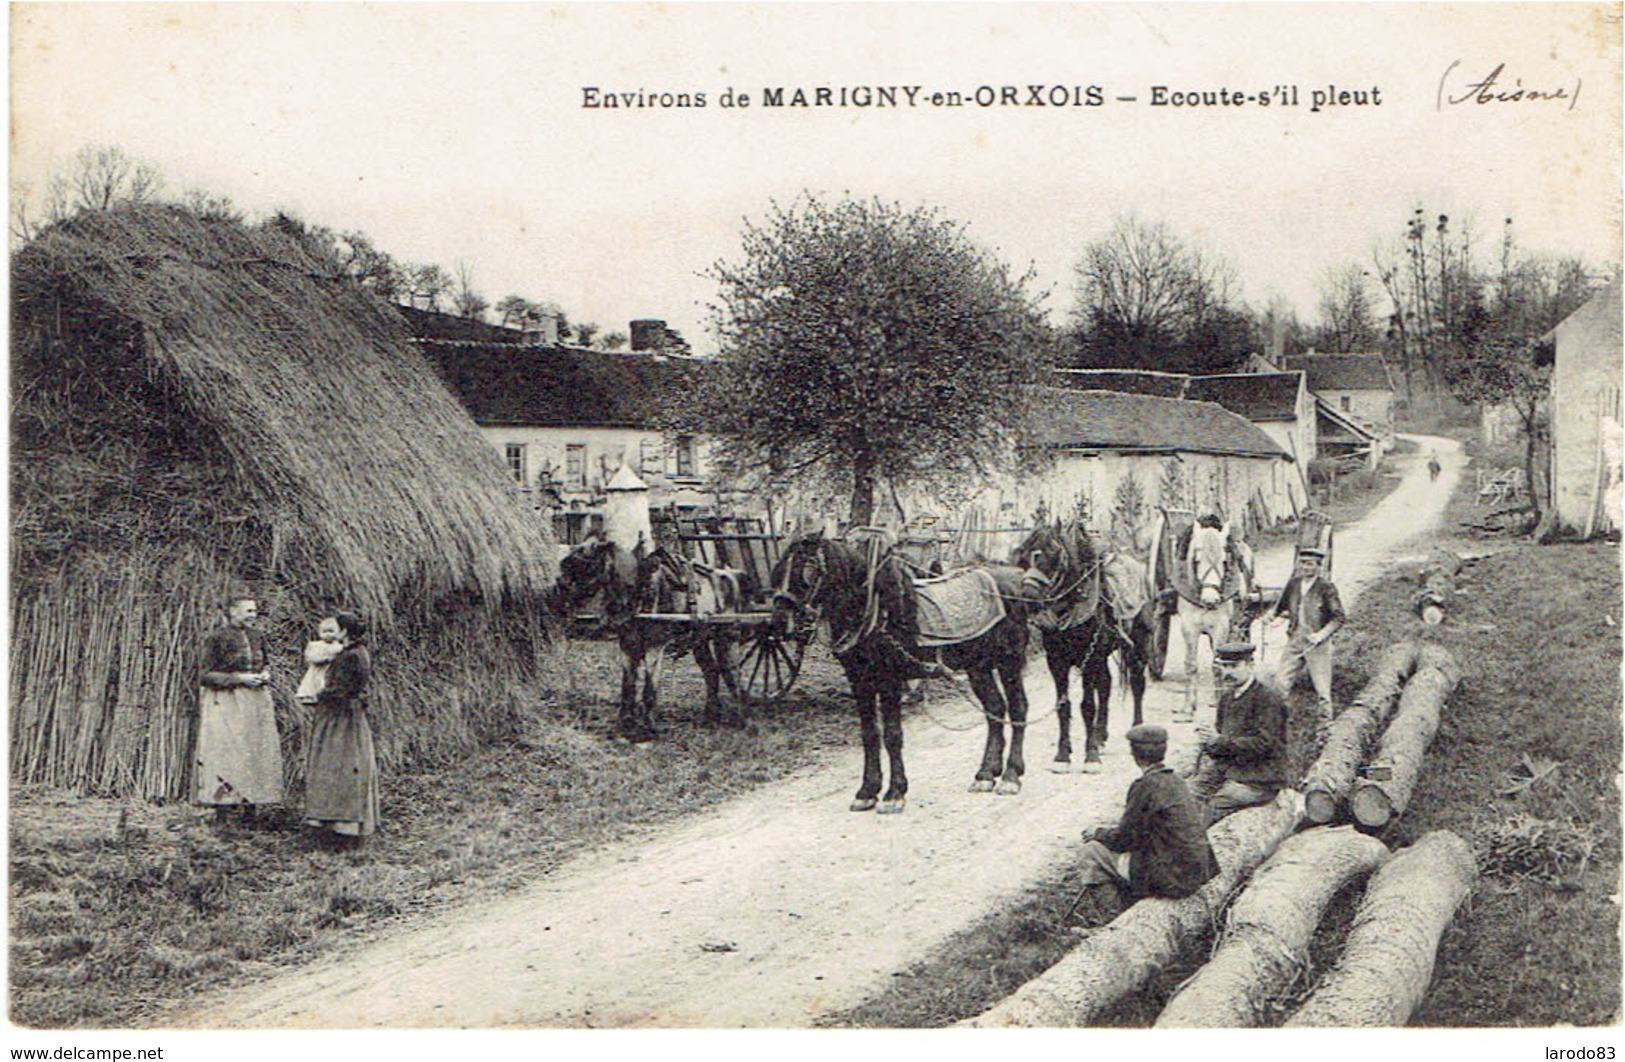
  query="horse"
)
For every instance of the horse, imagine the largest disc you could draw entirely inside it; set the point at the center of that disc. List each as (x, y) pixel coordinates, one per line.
(873, 606)
(1088, 613)
(1215, 574)
(630, 585)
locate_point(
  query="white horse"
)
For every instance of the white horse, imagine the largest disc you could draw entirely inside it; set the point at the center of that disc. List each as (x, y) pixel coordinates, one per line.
(1215, 574)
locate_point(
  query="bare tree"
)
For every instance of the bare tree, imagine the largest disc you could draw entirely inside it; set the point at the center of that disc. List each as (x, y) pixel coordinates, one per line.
(1348, 317)
(467, 301)
(1147, 299)
(428, 283)
(104, 175)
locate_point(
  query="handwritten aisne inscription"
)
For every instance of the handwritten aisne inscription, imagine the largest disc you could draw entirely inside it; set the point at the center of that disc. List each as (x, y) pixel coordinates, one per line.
(1498, 87)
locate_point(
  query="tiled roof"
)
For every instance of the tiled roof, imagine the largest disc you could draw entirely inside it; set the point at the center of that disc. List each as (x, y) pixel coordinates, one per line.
(1124, 381)
(1108, 420)
(536, 386)
(1254, 395)
(1342, 372)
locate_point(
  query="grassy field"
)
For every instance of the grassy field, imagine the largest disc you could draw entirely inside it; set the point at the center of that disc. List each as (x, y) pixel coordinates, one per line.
(120, 912)
(1525, 766)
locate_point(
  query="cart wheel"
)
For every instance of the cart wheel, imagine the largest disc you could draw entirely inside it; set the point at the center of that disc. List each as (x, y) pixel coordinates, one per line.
(770, 661)
(1156, 653)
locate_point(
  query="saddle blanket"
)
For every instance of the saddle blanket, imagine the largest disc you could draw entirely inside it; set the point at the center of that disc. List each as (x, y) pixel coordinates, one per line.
(956, 607)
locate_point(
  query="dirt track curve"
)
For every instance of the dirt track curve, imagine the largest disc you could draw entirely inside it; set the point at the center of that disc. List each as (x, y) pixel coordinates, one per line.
(780, 906)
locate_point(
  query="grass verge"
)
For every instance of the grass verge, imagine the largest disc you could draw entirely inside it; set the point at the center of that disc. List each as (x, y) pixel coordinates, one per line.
(121, 912)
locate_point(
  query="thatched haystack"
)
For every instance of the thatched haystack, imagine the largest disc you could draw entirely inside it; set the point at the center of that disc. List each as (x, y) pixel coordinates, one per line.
(198, 405)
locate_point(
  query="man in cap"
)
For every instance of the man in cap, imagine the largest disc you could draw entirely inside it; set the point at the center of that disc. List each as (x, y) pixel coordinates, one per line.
(1313, 613)
(1159, 847)
(1249, 746)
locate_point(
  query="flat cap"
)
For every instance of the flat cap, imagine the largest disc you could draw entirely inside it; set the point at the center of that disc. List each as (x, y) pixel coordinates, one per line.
(1311, 551)
(1147, 734)
(1232, 651)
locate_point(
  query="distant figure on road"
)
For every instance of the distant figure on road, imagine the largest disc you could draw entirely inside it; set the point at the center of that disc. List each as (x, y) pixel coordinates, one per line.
(1158, 848)
(1249, 745)
(1313, 613)
(1433, 466)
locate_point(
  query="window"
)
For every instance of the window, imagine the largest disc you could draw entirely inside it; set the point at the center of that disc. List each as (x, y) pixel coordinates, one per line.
(1345, 403)
(651, 458)
(516, 463)
(685, 457)
(575, 464)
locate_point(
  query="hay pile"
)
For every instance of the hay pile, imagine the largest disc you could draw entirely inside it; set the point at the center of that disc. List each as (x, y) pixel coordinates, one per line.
(198, 405)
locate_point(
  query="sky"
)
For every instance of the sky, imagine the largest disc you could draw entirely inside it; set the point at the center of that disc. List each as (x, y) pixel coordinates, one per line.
(461, 132)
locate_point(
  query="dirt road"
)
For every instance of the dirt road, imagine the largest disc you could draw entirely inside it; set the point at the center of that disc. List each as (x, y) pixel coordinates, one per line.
(780, 906)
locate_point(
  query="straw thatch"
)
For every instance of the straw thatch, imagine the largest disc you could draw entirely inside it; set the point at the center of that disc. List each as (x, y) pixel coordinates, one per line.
(198, 405)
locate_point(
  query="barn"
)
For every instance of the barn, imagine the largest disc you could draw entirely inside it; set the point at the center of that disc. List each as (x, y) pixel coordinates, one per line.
(1109, 459)
(1586, 435)
(199, 406)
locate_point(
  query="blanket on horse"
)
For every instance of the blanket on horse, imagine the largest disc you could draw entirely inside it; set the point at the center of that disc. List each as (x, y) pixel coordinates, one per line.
(956, 607)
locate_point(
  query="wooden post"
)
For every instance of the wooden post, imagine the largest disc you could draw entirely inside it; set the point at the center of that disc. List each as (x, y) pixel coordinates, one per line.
(1327, 783)
(1387, 961)
(1121, 957)
(1438, 586)
(1267, 933)
(1387, 786)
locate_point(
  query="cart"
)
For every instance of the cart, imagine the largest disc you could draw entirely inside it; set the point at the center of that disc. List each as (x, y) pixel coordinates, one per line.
(768, 644)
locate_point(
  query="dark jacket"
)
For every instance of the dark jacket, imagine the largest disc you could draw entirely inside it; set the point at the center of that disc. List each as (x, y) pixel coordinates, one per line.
(1165, 830)
(1324, 604)
(228, 650)
(1251, 741)
(347, 678)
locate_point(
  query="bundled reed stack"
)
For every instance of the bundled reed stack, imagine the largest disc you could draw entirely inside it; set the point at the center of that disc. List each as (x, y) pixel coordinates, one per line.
(1353, 732)
(198, 406)
(1386, 789)
(1269, 927)
(1121, 957)
(1388, 957)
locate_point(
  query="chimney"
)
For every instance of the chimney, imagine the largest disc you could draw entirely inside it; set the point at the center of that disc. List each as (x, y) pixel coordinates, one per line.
(540, 330)
(649, 335)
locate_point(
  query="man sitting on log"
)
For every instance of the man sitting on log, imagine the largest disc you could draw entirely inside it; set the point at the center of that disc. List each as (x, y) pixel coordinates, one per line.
(1158, 848)
(1313, 613)
(1248, 750)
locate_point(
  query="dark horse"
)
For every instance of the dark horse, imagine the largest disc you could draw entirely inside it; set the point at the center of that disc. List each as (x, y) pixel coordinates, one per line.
(1081, 622)
(623, 589)
(864, 590)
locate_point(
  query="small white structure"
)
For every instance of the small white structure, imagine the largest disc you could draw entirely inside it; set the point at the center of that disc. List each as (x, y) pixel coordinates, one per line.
(626, 511)
(1586, 377)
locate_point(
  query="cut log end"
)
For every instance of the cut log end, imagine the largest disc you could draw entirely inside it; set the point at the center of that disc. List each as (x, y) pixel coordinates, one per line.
(1320, 806)
(1432, 615)
(1371, 806)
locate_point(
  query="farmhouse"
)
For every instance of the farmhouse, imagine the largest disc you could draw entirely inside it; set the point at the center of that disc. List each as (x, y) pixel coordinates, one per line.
(1586, 435)
(1110, 459)
(1278, 402)
(564, 420)
(199, 406)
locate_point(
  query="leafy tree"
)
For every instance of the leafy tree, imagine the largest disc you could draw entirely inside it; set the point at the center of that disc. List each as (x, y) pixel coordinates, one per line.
(429, 283)
(586, 333)
(861, 342)
(1148, 300)
(614, 340)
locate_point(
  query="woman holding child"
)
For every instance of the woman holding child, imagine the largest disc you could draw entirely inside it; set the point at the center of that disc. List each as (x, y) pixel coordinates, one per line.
(341, 780)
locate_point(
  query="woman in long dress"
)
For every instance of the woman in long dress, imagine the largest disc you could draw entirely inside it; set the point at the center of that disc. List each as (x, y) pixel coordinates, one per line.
(239, 756)
(341, 780)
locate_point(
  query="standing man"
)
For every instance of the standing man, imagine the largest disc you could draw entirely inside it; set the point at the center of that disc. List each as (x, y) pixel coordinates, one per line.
(1249, 747)
(1313, 613)
(1159, 847)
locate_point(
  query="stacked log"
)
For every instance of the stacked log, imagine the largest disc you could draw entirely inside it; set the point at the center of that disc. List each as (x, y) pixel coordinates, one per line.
(1121, 957)
(1327, 784)
(1388, 958)
(1386, 788)
(1267, 934)
(1438, 586)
